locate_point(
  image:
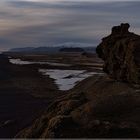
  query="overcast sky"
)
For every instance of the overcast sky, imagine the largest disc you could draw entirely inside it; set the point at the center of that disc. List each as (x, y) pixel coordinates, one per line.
(33, 23)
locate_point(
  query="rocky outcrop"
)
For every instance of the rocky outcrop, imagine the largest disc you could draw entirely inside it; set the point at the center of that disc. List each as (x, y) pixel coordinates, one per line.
(121, 54)
(99, 106)
(100, 111)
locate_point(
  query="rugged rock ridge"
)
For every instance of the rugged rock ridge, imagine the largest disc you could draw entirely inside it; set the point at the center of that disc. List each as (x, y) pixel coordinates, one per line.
(120, 52)
(109, 109)
(98, 107)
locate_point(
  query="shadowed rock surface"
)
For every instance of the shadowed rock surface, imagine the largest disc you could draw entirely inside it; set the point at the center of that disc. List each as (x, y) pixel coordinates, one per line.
(120, 52)
(18, 106)
(109, 109)
(99, 106)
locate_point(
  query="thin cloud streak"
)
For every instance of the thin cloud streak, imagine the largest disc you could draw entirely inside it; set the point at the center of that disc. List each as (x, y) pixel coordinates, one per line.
(32, 24)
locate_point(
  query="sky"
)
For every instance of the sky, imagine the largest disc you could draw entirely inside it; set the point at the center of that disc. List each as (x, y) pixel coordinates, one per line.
(34, 23)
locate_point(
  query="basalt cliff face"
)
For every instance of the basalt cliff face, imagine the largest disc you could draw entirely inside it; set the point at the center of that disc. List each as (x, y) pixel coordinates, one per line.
(99, 106)
(121, 54)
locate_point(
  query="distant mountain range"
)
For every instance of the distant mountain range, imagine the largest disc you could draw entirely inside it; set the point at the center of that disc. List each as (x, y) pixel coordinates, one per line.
(75, 49)
(53, 49)
(38, 49)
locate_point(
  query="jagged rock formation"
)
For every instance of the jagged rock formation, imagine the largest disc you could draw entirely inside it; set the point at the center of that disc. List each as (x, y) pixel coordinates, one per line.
(105, 108)
(120, 52)
(109, 109)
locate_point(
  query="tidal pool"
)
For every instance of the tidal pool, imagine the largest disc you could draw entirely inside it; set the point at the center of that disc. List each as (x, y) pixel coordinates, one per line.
(67, 79)
(18, 61)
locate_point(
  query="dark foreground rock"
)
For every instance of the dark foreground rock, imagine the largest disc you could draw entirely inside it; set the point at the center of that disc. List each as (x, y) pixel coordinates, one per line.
(121, 54)
(22, 98)
(99, 106)
(109, 109)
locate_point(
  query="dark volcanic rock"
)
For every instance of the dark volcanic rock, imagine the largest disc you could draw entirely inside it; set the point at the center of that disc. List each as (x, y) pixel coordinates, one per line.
(102, 111)
(122, 29)
(98, 107)
(120, 52)
(4, 69)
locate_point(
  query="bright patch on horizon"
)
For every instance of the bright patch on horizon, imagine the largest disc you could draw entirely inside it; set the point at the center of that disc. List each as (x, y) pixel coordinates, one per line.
(78, 0)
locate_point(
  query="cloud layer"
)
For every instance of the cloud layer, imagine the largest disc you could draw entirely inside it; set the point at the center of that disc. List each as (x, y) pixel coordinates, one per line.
(32, 23)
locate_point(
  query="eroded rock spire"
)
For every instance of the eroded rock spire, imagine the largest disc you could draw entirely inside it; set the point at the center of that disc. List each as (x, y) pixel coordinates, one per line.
(121, 54)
